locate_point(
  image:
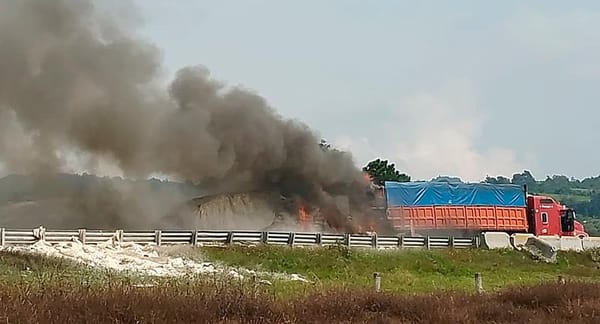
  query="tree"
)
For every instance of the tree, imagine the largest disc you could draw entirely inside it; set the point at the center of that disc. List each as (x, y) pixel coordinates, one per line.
(447, 179)
(381, 171)
(524, 178)
(497, 180)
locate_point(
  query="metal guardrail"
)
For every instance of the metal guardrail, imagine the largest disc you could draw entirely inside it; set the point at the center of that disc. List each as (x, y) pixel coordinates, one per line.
(203, 238)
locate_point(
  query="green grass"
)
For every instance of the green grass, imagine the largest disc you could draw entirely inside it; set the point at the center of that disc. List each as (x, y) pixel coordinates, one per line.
(407, 270)
(35, 289)
(333, 267)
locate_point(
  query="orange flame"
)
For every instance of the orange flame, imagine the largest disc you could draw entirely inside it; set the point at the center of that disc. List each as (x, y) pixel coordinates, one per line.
(372, 225)
(303, 216)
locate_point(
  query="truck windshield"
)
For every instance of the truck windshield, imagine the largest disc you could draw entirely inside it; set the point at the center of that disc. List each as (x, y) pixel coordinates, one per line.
(567, 220)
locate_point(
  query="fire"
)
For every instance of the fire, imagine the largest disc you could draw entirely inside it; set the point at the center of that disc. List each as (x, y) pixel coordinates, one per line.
(303, 216)
(367, 227)
(372, 226)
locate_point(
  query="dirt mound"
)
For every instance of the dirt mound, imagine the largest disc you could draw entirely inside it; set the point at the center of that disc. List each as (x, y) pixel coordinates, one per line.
(254, 211)
(230, 211)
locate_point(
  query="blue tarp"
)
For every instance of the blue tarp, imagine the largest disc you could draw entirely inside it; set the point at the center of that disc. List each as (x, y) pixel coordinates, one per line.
(447, 194)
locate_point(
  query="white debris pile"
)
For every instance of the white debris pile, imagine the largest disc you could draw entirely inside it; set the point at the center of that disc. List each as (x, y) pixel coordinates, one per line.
(130, 257)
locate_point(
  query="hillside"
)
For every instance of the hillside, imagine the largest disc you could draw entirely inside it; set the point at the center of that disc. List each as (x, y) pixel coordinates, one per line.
(67, 200)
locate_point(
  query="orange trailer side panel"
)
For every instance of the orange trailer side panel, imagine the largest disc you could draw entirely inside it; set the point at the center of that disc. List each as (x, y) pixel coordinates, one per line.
(459, 217)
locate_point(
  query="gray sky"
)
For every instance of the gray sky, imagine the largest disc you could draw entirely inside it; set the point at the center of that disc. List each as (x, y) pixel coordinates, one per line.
(465, 88)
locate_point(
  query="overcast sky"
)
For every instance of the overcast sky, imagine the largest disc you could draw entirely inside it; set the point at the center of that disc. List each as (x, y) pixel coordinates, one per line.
(463, 88)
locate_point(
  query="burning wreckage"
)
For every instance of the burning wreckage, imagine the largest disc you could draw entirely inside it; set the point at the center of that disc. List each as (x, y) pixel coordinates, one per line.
(271, 211)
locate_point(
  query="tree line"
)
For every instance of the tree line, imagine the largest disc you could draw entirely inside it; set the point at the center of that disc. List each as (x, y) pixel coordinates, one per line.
(581, 195)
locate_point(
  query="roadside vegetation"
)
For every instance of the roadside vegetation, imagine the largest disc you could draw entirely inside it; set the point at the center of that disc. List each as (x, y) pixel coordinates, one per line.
(403, 271)
(407, 271)
(553, 303)
(418, 286)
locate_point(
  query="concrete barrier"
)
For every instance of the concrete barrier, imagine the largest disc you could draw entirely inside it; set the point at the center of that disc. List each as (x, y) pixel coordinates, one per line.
(553, 240)
(496, 240)
(518, 240)
(591, 243)
(541, 249)
(569, 243)
(565, 243)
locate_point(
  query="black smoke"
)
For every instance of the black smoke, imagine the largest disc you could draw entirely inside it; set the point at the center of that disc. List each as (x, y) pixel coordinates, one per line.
(78, 83)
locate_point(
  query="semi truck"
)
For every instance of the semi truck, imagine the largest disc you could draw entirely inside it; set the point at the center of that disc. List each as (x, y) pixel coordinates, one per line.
(446, 207)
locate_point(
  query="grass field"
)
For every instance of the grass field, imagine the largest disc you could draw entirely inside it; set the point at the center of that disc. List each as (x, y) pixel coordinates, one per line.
(223, 303)
(407, 270)
(418, 287)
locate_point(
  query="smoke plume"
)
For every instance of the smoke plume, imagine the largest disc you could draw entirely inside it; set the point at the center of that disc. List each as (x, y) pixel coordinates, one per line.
(76, 82)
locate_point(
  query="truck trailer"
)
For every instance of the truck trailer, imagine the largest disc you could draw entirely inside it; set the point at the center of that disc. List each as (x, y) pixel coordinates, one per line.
(445, 207)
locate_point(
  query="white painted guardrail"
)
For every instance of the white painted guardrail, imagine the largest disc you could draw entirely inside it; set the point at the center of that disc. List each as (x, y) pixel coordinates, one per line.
(203, 238)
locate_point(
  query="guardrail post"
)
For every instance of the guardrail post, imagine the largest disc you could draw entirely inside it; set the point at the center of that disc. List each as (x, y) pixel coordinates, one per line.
(477, 241)
(82, 235)
(120, 235)
(264, 238)
(194, 237)
(478, 282)
(374, 240)
(2, 236)
(39, 233)
(292, 239)
(347, 239)
(451, 242)
(377, 281)
(230, 237)
(401, 241)
(427, 243)
(319, 239)
(158, 237)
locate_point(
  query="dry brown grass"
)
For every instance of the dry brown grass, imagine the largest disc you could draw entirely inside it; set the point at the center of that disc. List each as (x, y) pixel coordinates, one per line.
(219, 302)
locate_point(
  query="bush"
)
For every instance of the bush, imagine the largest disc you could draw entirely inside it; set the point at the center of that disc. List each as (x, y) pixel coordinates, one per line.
(219, 301)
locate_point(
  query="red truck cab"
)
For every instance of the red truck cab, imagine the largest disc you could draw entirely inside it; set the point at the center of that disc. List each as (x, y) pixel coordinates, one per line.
(547, 216)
